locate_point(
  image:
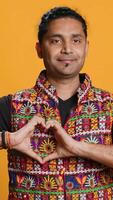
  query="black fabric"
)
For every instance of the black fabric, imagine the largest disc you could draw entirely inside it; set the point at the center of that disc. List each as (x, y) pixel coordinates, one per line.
(5, 113)
(82, 78)
(66, 106)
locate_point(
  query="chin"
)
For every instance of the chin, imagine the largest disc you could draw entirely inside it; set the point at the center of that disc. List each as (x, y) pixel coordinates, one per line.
(68, 75)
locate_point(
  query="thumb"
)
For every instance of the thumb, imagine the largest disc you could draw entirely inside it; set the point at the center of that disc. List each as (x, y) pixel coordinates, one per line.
(51, 156)
(30, 134)
(33, 155)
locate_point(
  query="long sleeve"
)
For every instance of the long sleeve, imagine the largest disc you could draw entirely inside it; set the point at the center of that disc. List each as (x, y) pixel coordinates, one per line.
(5, 113)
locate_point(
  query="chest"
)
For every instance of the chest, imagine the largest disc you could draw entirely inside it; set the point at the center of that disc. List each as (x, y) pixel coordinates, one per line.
(89, 121)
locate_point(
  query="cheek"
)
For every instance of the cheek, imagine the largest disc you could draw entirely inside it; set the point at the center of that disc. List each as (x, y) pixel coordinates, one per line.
(52, 55)
(82, 53)
(48, 58)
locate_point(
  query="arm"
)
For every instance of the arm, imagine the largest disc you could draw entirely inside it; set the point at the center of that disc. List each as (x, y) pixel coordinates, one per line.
(5, 113)
(97, 152)
(68, 147)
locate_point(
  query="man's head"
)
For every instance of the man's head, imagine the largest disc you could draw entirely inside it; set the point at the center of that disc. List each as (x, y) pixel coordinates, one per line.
(56, 13)
(62, 42)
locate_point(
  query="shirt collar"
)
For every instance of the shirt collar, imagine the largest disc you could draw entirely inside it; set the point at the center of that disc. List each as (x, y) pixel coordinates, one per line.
(43, 84)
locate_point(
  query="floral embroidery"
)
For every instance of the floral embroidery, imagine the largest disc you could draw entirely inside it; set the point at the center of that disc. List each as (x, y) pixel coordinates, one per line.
(27, 109)
(28, 183)
(90, 108)
(49, 112)
(47, 146)
(92, 140)
(49, 183)
(90, 181)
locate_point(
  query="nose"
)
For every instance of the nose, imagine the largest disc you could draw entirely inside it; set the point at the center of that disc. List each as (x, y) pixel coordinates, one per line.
(66, 48)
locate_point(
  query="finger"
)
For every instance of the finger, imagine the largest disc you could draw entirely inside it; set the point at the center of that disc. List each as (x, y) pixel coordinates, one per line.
(30, 126)
(33, 155)
(38, 115)
(31, 134)
(33, 122)
(52, 156)
(42, 122)
(37, 119)
(52, 124)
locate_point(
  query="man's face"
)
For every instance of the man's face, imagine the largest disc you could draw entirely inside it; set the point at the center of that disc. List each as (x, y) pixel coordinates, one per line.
(64, 48)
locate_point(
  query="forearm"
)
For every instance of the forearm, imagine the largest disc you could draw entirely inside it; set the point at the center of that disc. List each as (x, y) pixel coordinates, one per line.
(97, 152)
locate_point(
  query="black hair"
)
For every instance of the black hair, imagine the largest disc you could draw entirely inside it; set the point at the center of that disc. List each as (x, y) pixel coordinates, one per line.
(56, 13)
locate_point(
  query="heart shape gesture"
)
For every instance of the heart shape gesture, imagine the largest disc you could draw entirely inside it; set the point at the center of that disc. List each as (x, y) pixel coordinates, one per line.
(20, 140)
(65, 144)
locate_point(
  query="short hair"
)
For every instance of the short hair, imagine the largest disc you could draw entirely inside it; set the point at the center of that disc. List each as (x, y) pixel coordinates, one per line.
(56, 13)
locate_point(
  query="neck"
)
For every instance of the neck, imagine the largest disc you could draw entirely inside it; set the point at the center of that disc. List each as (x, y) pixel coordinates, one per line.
(66, 87)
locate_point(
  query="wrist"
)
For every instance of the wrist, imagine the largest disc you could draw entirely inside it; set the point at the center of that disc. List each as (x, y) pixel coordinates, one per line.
(12, 139)
(5, 142)
(78, 148)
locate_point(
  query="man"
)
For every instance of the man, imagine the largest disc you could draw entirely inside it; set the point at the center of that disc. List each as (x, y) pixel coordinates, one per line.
(75, 139)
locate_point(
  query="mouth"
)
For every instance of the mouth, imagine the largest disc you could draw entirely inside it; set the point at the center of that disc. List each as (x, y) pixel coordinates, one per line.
(66, 61)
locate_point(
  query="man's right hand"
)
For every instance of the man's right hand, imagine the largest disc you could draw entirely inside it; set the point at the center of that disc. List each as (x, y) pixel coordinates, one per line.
(20, 140)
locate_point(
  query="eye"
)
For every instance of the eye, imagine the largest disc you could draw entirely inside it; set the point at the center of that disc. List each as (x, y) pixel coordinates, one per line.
(55, 41)
(76, 41)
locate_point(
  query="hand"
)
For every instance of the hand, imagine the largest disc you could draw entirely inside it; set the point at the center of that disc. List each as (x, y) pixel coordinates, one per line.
(65, 143)
(20, 140)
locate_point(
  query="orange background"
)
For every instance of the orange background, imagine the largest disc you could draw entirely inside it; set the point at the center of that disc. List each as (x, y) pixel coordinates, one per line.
(19, 65)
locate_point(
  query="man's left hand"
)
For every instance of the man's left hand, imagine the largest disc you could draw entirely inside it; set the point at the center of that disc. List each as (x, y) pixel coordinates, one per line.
(65, 143)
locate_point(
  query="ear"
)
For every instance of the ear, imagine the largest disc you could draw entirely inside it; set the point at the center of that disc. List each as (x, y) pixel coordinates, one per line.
(38, 49)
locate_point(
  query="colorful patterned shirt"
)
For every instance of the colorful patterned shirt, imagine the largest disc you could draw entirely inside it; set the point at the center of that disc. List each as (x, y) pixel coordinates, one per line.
(73, 178)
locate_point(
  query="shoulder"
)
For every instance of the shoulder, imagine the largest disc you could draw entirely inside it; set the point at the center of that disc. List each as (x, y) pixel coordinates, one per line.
(25, 95)
(101, 94)
(5, 100)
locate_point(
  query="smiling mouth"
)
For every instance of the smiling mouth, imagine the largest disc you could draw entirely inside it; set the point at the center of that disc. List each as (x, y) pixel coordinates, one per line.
(66, 61)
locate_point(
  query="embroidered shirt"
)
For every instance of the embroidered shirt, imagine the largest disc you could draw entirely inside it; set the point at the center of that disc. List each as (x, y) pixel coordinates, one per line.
(68, 178)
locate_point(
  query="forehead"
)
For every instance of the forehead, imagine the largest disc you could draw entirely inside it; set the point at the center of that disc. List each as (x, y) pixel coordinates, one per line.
(65, 25)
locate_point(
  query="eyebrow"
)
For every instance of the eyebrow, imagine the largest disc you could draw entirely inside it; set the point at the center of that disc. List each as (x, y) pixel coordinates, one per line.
(55, 35)
(60, 36)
